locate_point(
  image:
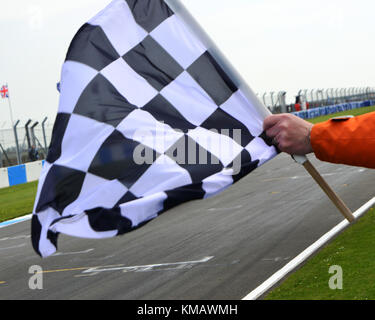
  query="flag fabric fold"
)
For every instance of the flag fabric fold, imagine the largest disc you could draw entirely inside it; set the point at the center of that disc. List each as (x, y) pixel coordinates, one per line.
(147, 120)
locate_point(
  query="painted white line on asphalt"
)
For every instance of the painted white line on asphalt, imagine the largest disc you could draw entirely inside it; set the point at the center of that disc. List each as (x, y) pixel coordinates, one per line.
(225, 209)
(339, 172)
(57, 254)
(292, 265)
(21, 237)
(14, 221)
(150, 267)
(14, 247)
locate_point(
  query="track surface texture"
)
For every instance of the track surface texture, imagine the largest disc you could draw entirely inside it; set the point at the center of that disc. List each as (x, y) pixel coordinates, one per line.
(215, 249)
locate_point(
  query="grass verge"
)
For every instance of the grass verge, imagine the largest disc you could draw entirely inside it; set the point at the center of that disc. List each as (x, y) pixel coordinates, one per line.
(353, 251)
(354, 112)
(17, 201)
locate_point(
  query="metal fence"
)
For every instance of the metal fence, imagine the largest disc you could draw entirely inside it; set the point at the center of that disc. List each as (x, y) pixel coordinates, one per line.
(282, 101)
(16, 142)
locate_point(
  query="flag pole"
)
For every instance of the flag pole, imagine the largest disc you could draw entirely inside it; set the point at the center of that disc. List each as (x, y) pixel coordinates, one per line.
(337, 201)
(13, 126)
(10, 106)
(180, 10)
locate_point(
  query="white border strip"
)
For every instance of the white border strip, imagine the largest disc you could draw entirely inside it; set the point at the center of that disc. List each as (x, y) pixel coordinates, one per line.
(14, 221)
(273, 280)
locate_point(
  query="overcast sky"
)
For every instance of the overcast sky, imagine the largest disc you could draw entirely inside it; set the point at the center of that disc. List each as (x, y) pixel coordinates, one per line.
(276, 45)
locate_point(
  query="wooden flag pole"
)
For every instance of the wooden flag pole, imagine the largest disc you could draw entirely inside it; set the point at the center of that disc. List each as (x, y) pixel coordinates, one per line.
(337, 201)
(178, 7)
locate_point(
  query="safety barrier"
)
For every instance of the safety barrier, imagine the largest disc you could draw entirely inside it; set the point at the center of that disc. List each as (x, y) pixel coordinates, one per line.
(24, 173)
(323, 111)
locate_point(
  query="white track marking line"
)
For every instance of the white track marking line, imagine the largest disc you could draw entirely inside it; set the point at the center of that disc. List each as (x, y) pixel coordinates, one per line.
(292, 265)
(309, 177)
(14, 221)
(21, 237)
(58, 254)
(151, 267)
(14, 247)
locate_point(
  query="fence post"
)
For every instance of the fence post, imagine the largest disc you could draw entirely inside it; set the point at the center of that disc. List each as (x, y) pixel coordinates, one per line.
(282, 101)
(264, 99)
(273, 104)
(33, 133)
(17, 142)
(44, 135)
(342, 93)
(312, 97)
(28, 134)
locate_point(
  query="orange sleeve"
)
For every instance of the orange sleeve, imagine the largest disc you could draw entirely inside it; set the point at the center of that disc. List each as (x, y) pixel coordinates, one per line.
(350, 142)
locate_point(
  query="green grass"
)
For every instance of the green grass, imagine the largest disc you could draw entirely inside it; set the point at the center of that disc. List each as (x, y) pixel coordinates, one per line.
(17, 201)
(353, 250)
(354, 112)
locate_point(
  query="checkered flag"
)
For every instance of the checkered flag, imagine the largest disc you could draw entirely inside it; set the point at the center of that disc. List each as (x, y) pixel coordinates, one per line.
(147, 120)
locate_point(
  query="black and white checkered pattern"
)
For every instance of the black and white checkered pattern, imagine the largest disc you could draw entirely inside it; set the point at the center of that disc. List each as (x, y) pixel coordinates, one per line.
(137, 66)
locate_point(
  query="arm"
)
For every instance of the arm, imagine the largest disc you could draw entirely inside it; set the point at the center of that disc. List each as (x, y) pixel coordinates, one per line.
(350, 142)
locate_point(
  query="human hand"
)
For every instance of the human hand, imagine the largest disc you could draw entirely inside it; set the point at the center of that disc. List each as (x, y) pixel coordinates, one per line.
(289, 133)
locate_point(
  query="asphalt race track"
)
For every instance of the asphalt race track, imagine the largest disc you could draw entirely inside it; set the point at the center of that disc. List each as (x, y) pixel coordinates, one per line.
(221, 248)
